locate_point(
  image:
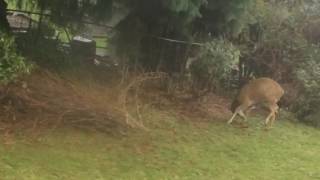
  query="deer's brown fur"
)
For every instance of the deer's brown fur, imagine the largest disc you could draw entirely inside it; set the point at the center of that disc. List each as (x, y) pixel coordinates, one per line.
(261, 91)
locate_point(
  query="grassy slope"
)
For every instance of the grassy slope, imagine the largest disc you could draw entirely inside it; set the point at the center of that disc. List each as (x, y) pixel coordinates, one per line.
(173, 149)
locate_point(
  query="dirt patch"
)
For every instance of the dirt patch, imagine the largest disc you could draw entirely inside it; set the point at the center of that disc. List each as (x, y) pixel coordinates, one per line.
(210, 107)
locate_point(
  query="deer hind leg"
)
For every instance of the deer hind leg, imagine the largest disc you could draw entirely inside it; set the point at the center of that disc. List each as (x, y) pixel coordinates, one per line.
(272, 116)
(276, 111)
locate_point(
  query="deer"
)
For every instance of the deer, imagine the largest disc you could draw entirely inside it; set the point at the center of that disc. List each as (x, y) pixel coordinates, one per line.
(261, 91)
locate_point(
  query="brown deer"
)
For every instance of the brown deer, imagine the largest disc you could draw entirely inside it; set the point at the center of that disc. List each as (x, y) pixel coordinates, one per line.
(261, 91)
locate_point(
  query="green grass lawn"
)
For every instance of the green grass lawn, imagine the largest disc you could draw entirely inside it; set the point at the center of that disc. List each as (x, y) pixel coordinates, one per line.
(172, 149)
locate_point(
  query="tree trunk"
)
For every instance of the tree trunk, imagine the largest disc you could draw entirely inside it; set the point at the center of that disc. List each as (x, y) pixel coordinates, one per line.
(4, 24)
(39, 33)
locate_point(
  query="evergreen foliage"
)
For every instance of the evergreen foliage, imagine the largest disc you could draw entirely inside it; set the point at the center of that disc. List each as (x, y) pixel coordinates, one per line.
(187, 20)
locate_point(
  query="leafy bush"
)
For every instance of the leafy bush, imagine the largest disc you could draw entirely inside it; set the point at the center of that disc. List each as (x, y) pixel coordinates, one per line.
(308, 73)
(11, 64)
(213, 67)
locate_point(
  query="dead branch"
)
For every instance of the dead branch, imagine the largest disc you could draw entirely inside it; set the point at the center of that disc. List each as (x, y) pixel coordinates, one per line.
(123, 98)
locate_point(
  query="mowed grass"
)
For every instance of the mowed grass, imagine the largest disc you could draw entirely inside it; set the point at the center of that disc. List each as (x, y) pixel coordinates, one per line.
(172, 149)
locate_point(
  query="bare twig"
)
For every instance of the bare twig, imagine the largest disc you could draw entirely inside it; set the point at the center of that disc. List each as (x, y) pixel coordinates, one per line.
(123, 99)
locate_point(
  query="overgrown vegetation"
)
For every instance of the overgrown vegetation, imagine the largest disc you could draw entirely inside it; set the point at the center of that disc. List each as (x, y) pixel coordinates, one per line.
(308, 74)
(12, 65)
(137, 34)
(213, 66)
(270, 38)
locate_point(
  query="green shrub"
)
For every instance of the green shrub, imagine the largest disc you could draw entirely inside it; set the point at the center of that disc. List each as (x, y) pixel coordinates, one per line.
(213, 67)
(11, 64)
(308, 73)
